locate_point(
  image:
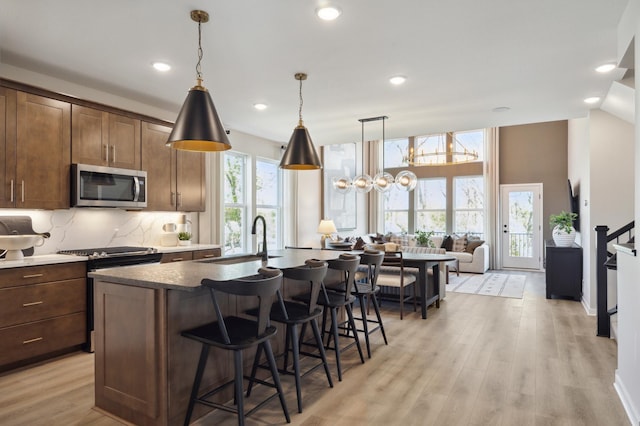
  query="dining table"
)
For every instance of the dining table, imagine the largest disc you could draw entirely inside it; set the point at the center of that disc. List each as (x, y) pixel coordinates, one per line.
(422, 262)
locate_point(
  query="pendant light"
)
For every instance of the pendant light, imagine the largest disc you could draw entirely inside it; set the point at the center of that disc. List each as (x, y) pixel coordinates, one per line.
(198, 127)
(300, 153)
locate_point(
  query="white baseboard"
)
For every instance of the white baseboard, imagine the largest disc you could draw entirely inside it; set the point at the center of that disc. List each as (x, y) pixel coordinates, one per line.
(627, 403)
(589, 310)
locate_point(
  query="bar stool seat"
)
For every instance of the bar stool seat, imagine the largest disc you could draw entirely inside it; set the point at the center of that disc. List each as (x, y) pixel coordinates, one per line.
(332, 301)
(236, 334)
(294, 314)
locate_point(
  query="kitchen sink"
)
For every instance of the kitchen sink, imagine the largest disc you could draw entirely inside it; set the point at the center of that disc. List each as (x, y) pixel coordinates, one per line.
(232, 260)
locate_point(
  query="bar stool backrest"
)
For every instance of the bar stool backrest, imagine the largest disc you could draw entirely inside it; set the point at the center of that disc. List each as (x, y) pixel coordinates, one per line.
(263, 286)
(313, 274)
(348, 265)
(373, 260)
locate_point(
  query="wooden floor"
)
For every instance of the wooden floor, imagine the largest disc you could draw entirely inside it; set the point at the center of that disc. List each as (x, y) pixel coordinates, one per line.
(478, 360)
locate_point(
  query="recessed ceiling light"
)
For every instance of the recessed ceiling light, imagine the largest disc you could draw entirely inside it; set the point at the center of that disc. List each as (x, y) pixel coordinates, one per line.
(501, 109)
(328, 13)
(397, 79)
(606, 68)
(592, 100)
(161, 66)
(260, 106)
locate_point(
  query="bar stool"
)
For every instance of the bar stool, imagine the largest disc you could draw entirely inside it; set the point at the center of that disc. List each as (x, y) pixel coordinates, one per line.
(293, 314)
(365, 291)
(235, 334)
(332, 301)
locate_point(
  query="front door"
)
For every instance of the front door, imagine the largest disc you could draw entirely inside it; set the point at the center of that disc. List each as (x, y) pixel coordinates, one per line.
(521, 212)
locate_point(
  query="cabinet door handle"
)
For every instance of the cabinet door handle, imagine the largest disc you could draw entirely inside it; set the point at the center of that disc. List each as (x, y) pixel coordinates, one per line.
(179, 200)
(106, 152)
(32, 276)
(22, 190)
(173, 198)
(208, 255)
(12, 189)
(177, 259)
(113, 153)
(25, 305)
(37, 339)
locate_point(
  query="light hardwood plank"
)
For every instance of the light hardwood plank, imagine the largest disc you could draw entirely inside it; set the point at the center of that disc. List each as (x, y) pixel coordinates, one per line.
(478, 360)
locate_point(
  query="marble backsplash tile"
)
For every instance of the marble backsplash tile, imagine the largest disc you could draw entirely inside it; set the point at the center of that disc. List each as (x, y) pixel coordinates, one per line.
(88, 228)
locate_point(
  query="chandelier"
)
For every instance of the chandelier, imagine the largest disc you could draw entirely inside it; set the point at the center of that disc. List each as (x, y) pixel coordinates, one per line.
(441, 156)
(381, 182)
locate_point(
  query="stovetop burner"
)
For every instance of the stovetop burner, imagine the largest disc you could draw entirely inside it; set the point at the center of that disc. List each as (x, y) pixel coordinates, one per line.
(102, 252)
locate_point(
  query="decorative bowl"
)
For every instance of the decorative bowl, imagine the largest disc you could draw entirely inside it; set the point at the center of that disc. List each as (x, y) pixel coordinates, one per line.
(14, 244)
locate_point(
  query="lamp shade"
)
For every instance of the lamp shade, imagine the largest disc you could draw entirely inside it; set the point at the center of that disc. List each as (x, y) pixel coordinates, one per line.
(300, 153)
(327, 227)
(198, 127)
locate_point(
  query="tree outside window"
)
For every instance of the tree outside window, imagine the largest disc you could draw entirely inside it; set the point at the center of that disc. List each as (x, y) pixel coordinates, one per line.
(235, 203)
(469, 205)
(431, 205)
(268, 199)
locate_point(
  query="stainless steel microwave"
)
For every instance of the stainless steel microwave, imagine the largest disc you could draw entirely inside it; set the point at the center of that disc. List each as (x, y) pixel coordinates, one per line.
(96, 186)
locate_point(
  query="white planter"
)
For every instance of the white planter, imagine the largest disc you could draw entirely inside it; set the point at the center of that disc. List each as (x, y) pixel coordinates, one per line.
(184, 242)
(561, 238)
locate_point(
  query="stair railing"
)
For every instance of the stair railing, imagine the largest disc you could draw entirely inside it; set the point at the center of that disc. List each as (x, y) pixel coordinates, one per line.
(602, 255)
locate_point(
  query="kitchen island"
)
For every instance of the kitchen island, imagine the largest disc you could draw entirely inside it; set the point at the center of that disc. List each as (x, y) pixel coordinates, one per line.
(144, 368)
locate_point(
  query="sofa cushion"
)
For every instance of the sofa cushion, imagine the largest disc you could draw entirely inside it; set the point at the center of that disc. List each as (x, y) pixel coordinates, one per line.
(472, 243)
(459, 242)
(462, 256)
(447, 243)
(437, 241)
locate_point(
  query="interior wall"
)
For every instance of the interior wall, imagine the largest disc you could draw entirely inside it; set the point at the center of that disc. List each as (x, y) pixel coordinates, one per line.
(611, 196)
(537, 153)
(578, 173)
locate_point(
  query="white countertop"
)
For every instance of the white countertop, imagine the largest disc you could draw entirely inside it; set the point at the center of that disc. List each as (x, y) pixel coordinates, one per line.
(192, 247)
(44, 259)
(50, 259)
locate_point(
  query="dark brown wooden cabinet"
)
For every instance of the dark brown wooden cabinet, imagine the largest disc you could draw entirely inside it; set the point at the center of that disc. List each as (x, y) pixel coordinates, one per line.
(104, 139)
(190, 255)
(563, 270)
(35, 141)
(176, 179)
(40, 179)
(42, 311)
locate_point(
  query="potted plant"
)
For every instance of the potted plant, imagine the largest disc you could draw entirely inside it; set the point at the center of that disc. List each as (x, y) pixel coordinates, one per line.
(423, 238)
(184, 238)
(564, 234)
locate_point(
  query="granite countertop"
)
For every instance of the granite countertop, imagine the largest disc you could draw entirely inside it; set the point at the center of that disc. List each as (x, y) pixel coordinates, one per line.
(45, 259)
(187, 275)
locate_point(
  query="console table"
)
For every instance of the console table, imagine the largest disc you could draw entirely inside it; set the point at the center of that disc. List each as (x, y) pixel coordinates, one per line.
(563, 270)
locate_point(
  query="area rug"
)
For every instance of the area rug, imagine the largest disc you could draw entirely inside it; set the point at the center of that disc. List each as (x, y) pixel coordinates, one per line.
(488, 284)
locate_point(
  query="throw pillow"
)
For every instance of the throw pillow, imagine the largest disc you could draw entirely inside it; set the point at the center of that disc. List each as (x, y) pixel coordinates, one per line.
(447, 243)
(359, 245)
(459, 242)
(472, 244)
(378, 238)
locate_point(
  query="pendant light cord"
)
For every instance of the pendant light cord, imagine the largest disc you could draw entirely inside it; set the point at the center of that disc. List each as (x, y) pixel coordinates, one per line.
(300, 108)
(200, 53)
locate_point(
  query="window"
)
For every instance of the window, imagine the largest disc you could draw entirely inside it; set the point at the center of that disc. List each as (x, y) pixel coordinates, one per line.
(468, 205)
(394, 152)
(449, 197)
(239, 210)
(235, 203)
(431, 205)
(396, 211)
(268, 199)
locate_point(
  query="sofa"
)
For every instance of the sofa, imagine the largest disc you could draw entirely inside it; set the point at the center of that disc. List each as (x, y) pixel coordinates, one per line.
(475, 260)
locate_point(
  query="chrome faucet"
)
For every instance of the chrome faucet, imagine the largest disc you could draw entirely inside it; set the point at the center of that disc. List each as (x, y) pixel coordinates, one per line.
(263, 253)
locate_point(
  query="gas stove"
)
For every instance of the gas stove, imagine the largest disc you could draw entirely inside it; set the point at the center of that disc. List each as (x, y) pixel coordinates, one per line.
(110, 252)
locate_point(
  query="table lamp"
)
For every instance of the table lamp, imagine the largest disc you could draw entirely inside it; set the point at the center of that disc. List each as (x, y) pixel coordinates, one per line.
(326, 228)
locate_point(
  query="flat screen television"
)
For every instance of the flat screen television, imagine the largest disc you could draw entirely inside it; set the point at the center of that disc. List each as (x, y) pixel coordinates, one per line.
(574, 205)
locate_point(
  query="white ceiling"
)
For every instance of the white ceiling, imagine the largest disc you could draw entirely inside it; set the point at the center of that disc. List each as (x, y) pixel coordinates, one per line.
(462, 58)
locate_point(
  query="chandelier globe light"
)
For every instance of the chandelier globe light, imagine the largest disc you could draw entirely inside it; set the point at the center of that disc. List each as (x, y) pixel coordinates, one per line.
(406, 180)
(383, 182)
(342, 184)
(441, 156)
